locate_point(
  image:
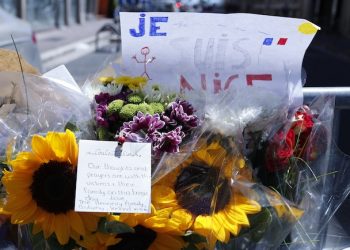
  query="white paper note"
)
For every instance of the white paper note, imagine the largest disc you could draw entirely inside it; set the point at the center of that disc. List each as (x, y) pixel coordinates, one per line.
(112, 178)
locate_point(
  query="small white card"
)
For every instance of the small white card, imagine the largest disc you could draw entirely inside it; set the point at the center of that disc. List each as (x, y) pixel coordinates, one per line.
(113, 178)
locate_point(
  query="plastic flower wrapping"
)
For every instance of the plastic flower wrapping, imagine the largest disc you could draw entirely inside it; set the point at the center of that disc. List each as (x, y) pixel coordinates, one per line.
(227, 170)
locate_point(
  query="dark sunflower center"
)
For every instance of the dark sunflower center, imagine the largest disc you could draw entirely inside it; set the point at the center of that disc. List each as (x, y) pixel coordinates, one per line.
(196, 187)
(140, 240)
(53, 187)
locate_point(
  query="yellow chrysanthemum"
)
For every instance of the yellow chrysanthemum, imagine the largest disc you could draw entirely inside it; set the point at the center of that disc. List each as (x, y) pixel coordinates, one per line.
(133, 83)
(41, 188)
(199, 194)
(123, 80)
(106, 80)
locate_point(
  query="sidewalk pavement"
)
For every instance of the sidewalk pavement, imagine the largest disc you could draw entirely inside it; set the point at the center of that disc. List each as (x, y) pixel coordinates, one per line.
(66, 44)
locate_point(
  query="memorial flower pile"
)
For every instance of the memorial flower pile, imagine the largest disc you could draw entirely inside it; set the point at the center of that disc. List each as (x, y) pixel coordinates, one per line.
(228, 171)
(207, 192)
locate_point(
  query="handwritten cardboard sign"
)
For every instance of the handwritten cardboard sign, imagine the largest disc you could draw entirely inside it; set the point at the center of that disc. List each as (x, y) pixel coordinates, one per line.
(113, 179)
(215, 52)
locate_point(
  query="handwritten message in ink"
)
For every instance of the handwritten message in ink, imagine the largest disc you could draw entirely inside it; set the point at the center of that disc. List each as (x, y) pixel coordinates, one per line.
(216, 52)
(112, 178)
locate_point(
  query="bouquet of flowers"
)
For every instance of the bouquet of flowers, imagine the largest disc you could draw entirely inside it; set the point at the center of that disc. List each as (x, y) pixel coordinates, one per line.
(124, 112)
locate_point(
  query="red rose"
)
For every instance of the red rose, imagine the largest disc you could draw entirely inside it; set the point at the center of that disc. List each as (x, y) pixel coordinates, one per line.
(303, 122)
(280, 151)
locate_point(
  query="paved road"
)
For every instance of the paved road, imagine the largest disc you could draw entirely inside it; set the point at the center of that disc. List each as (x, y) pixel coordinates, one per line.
(88, 65)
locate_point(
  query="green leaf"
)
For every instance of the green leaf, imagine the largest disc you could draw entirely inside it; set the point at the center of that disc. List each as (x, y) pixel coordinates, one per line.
(55, 245)
(71, 126)
(190, 246)
(116, 227)
(259, 223)
(195, 238)
(38, 240)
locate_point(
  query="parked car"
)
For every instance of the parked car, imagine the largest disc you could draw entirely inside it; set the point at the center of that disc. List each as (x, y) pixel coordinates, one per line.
(23, 35)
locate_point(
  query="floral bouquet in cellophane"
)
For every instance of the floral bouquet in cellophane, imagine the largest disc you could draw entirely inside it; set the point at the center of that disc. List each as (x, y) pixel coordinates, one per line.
(210, 188)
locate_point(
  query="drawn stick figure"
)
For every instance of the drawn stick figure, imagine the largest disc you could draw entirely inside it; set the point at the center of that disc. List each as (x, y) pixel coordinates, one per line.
(145, 51)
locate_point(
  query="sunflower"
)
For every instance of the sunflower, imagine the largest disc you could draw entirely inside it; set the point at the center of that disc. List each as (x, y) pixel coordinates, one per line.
(283, 209)
(147, 239)
(163, 220)
(96, 240)
(153, 231)
(201, 194)
(41, 188)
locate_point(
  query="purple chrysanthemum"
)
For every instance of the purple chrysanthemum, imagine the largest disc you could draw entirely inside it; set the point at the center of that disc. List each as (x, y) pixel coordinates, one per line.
(180, 113)
(143, 128)
(101, 113)
(106, 98)
(102, 98)
(169, 142)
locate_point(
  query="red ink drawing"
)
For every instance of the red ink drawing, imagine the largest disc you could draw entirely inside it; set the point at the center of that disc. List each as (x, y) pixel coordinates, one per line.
(184, 84)
(145, 51)
(282, 41)
(263, 77)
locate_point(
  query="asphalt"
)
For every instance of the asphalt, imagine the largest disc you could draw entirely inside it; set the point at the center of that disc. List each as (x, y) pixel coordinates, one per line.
(66, 44)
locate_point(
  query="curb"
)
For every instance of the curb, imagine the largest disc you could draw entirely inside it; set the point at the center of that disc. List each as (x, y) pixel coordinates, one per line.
(72, 51)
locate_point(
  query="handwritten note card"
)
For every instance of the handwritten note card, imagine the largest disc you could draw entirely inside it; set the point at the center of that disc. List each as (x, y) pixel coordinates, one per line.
(113, 178)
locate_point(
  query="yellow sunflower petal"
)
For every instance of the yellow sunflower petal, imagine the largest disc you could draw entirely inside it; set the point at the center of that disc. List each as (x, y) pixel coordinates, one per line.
(62, 228)
(163, 196)
(58, 144)
(73, 147)
(25, 161)
(219, 229)
(24, 216)
(16, 181)
(183, 219)
(18, 201)
(236, 215)
(129, 219)
(90, 221)
(167, 242)
(203, 225)
(107, 239)
(36, 228)
(48, 224)
(156, 222)
(230, 223)
(76, 222)
(296, 213)
(248, 206)
(42, 149)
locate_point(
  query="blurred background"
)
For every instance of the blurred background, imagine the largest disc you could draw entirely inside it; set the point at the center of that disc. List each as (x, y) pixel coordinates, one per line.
(83, 34)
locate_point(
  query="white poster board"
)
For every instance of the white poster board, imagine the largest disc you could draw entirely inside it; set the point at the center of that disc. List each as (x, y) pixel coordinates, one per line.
(215, 52)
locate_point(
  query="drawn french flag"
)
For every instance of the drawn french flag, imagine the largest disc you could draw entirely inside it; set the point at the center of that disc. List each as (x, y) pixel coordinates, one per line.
(268, 41)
